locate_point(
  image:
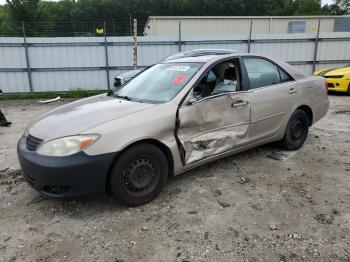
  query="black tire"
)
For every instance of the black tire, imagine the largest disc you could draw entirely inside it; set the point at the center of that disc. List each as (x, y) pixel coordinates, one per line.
(296, 131)
(348, 92)
(139, 175)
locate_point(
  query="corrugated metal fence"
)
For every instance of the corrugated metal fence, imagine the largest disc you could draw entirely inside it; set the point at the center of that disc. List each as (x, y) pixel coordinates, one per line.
(62, 64)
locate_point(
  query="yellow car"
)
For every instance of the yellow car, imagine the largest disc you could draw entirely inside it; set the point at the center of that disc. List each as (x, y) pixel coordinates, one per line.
(338, 79)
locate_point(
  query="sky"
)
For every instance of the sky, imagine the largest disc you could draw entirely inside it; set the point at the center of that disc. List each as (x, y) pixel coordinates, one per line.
(323, 1)
(326, 2)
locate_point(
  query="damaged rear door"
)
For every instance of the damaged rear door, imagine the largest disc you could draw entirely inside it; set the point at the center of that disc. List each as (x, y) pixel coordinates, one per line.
(214, 125)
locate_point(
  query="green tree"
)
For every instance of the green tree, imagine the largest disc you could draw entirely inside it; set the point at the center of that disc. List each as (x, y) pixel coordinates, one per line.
(23, 10)
(31, 12)
(82, 17)
(339, 7)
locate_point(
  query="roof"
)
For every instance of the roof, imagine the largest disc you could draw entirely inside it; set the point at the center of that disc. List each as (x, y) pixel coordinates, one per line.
(199, 52)
(194, 59)
(205, 58)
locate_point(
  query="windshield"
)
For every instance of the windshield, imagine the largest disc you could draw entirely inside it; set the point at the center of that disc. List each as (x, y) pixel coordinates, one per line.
(158, 84)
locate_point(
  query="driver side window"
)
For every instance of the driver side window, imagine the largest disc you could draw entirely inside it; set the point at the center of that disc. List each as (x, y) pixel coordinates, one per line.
(221, 78)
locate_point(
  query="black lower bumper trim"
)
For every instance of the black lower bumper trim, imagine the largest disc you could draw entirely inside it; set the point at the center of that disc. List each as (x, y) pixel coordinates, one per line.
(65, 177)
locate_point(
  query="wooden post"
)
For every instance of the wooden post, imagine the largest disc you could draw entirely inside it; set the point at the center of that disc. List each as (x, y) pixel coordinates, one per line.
(135, 44)
(180, 36)
(316, 46)
(106, 55)
(29, 70)
(250, 35)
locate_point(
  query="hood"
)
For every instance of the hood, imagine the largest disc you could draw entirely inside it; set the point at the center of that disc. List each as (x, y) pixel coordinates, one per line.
(79, 116)
(319, 71)
(338, 71)
(333, 71)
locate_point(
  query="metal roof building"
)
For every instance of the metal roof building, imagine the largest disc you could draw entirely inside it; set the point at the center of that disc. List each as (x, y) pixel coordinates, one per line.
(228, 25)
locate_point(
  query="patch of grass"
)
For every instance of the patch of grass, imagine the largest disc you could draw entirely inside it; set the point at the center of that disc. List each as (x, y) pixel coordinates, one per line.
(78, 93)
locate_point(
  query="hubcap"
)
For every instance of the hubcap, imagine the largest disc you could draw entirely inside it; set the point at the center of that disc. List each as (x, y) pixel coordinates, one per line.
(297, 129)
(141, 177)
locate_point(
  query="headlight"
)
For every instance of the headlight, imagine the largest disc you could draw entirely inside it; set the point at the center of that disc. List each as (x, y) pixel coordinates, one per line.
(67, 146)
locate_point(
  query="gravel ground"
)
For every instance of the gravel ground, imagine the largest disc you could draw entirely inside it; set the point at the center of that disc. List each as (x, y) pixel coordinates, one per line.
(247, 207)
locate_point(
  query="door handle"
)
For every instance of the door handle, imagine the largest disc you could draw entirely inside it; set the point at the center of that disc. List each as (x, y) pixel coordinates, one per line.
(292, 91)
(240, 103)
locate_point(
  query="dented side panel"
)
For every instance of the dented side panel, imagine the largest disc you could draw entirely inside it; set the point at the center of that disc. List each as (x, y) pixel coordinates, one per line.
(214, 125)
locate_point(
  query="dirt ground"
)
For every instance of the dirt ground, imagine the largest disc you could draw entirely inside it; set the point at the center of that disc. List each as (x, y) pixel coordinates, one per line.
(247, 207)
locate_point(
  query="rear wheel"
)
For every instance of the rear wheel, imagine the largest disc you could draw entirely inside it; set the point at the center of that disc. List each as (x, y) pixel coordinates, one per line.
(348, 92)
(296, 131)
(139, 175)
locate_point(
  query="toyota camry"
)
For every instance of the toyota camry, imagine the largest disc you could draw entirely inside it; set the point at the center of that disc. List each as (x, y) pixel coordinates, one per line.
(172, 117)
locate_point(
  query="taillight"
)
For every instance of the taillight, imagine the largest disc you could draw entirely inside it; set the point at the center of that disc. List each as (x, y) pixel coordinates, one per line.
(325, 85)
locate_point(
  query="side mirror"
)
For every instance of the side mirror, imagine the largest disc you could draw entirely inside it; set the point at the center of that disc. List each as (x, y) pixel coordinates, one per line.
(192, 100)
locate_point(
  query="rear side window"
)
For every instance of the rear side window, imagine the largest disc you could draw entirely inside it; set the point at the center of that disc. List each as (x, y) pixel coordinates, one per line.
(264, 73)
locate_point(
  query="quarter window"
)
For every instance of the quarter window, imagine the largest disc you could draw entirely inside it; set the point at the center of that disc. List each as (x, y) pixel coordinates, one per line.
(211, 76)
(284, 76)
(263, 73)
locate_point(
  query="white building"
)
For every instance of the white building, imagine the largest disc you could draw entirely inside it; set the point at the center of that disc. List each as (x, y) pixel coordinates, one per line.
(226, 25)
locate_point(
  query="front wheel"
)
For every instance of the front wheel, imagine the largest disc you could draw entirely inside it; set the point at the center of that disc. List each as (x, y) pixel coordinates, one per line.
(296, 131)
(139, 175)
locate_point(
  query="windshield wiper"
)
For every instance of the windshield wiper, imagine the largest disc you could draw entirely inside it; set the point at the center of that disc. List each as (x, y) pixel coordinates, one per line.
(123, 97)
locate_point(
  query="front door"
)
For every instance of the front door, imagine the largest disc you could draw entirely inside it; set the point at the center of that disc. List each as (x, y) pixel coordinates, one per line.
(218, 120)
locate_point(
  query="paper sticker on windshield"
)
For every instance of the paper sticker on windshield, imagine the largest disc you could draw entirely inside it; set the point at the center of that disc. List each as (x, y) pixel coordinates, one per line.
(179, 68)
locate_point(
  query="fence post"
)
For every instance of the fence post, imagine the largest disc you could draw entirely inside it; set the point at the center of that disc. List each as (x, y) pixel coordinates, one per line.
(250, 35)
(130, 24)
(29, 70)
(179, 43)
(135, 44)
(316, 46)
(106, 55)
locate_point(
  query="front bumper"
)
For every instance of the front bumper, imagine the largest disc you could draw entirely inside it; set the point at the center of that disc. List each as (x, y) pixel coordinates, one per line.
(338, 85)
(65, 177)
